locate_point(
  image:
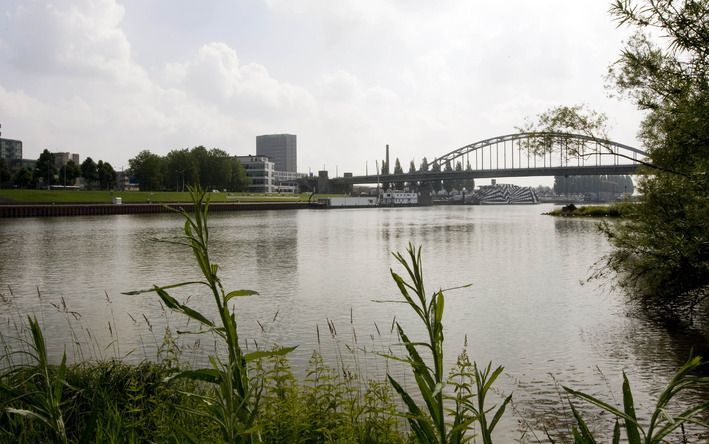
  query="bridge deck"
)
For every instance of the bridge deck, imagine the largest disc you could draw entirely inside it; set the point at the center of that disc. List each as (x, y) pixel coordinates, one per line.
(483, 174)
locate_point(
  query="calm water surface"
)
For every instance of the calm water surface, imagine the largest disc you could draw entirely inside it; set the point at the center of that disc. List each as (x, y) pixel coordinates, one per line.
(529, 307)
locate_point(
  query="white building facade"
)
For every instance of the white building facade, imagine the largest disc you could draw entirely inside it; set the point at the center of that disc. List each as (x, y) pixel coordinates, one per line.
(261, 172)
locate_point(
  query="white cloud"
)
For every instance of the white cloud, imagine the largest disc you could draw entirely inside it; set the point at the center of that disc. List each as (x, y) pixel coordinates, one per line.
(73, 38)
(352, 76)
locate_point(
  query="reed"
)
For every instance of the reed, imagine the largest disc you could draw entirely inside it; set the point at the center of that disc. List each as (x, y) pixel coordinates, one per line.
(435, 423)
(234, 402)
(40, 389)
(662, 424)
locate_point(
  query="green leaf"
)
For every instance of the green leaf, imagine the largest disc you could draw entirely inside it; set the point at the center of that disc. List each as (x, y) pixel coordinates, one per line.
(239, 293)
(417, 421)
(174, 305)
(686, 416)
(204, 374)
(439, 307)
(166, 287)
(598, 403)
(585, 435)
(59, 380)
(499, 413)
(631, 427)
(29, 414)
(253, 356)
(437, 389)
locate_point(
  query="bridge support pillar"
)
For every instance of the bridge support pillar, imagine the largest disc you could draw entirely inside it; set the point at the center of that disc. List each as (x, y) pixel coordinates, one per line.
(425, 193)
(323, 182)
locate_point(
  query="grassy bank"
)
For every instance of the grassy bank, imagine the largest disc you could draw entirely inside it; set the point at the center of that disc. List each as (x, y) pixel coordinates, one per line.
(588, 211)
(98, 197)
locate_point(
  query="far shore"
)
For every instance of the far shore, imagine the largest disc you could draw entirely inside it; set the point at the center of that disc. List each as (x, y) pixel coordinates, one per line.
(28, 197)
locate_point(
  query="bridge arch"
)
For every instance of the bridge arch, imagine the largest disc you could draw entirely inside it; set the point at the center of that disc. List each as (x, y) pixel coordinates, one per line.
(569, 145)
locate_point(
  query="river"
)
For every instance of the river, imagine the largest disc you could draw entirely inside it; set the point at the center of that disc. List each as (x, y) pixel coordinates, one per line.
(530, 307)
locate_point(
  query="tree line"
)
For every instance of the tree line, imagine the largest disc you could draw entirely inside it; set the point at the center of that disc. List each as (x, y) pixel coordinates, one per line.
(45, 173)
(593, 184)
(437, 185)
(211, 169)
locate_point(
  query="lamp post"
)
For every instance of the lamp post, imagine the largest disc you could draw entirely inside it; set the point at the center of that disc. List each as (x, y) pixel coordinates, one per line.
(182, 172)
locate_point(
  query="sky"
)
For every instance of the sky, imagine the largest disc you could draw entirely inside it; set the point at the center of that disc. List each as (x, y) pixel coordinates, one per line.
(109, 78)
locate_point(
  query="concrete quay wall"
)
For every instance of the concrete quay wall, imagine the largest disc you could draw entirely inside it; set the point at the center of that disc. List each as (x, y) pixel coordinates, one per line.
(43, 210)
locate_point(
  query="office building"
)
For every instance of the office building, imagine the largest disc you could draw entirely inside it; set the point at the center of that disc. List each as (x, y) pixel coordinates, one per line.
(61, 159)
(10, 150)
(260, 169)
(281, 149)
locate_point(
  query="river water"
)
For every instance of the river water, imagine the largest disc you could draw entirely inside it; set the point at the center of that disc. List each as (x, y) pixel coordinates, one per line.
(529, 308)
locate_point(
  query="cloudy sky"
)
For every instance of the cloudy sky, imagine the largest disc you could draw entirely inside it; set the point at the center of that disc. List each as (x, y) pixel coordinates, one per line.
(109, 78)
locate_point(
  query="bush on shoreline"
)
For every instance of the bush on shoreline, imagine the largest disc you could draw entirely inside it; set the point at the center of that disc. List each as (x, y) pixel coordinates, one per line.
(588, 211)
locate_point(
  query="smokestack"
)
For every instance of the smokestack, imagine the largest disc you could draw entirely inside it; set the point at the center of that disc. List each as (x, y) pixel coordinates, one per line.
(388, 167)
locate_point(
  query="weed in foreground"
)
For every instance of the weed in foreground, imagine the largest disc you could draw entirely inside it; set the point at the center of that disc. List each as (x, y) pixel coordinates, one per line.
(436, 423)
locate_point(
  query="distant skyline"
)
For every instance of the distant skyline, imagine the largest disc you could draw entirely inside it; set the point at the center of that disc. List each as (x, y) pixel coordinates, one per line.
(108, 78)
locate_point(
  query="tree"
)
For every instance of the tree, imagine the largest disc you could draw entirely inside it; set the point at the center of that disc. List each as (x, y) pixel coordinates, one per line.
(412, 170)
(68, 173)
(469, 184)
(385, 171)
(89, 171)
(181, 169)
(436, 183)
(218, 174)
(458, 184)
(148, 169)
(424, 165)
(448, 185)
(398, 170)
(200, 156)
(661, 252)
(44, 169)
(106, 175)
(22, 178)
(5, 174)
(239, 179)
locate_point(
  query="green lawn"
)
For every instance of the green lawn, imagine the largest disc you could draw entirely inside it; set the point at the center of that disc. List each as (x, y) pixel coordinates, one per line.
(62, 196)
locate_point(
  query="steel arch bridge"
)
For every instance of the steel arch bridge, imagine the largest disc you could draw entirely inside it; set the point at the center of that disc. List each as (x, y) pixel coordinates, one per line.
(524, 154)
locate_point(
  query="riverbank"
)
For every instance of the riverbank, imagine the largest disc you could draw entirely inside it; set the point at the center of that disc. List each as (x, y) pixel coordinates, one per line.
(587, 211)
